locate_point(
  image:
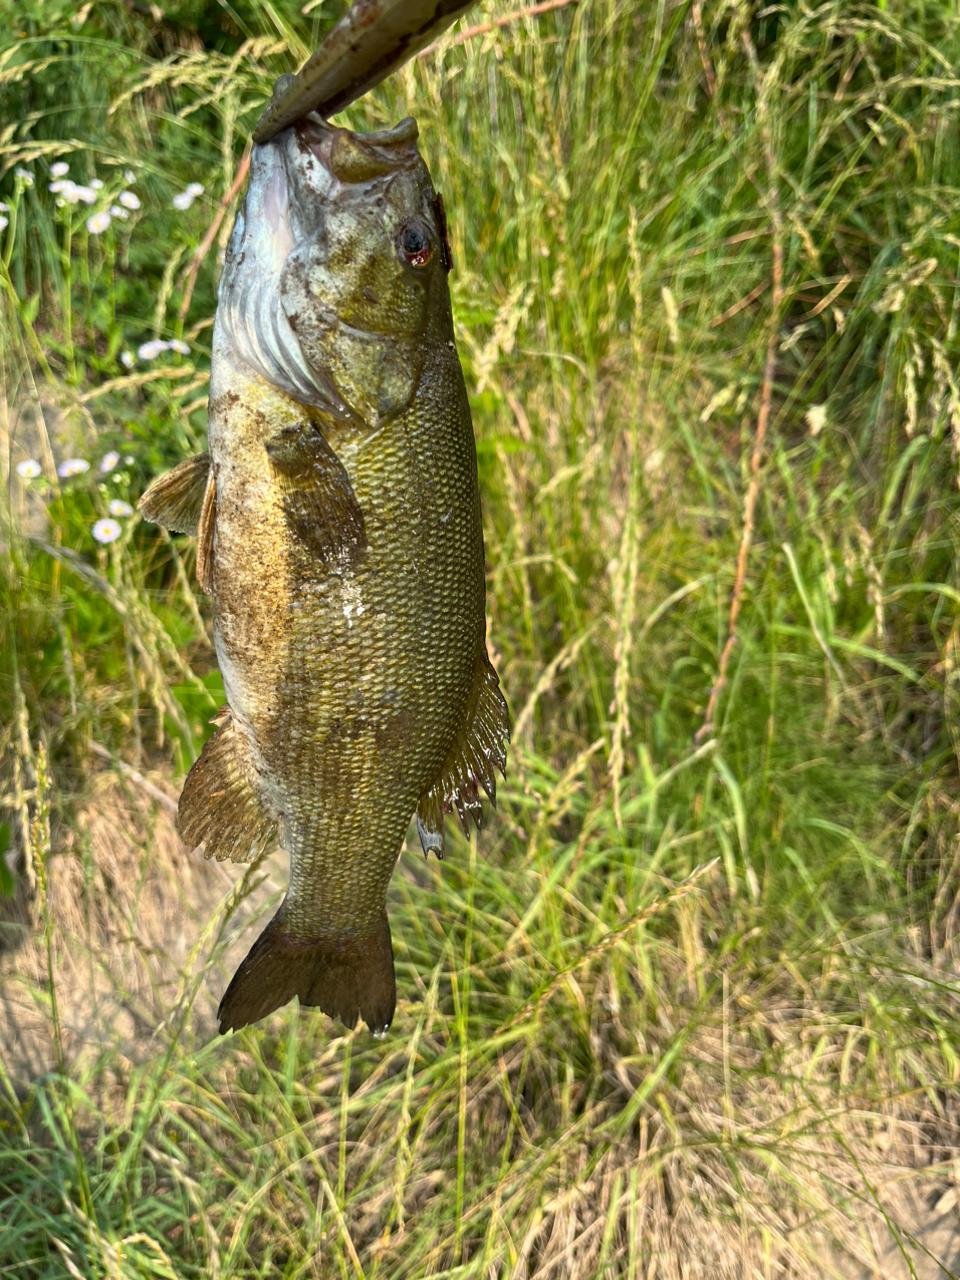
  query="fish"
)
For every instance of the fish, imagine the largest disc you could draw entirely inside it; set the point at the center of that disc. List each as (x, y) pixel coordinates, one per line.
(338, 524)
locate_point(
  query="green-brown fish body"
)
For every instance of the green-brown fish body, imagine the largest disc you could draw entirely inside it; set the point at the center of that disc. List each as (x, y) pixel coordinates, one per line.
(338, 517)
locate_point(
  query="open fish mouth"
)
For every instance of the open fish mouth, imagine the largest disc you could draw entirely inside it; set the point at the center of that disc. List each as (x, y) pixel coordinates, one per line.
(358, 157)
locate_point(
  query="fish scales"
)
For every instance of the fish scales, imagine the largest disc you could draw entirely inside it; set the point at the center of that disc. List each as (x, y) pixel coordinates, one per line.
(340, 538)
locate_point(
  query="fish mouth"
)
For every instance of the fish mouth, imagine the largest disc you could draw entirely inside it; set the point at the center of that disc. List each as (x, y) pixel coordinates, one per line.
(353, 158)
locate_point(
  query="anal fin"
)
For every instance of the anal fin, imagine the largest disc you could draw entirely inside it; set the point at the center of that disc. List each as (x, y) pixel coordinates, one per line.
(479, 746)
(320, 506)
(176, 499)
(219, 805)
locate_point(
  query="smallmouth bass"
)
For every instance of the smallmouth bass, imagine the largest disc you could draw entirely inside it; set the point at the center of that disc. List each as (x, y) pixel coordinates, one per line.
(338, 522)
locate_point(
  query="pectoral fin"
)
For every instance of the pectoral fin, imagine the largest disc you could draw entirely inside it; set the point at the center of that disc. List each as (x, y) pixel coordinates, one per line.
(318, 500)
(205, 534)
(176, 499)
(219, 804)
(478, 747)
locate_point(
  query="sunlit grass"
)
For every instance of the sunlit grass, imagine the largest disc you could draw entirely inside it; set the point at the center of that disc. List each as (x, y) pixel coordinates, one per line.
(688, 1005)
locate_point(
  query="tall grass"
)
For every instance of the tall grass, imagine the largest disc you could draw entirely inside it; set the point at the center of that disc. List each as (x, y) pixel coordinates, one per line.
(688, 1007)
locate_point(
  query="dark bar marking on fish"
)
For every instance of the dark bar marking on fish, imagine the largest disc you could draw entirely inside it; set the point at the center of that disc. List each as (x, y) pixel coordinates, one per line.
(219, 804)
(478, 746)
(346, 975)
(175, 500)
(440, 213)
(320, 506)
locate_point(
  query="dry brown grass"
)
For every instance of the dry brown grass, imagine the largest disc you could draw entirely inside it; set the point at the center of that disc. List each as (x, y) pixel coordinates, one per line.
(752, 1135)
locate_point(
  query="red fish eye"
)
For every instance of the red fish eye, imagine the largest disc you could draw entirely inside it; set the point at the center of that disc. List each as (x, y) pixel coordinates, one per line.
(416, 247)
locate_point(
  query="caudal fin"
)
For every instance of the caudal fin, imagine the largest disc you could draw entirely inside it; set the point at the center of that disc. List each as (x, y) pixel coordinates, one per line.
(346, 976)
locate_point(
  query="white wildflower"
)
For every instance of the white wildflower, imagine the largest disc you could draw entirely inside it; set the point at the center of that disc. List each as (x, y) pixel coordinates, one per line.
(98, 222)
(126, 359)
(25, 176)
(117, 212)
(178, 345)
(129, 200)
(86, 194)
(96, 183)
(29, 469)
(182, 201)
(59, 168)
(129, 175)
(73, 467)
(61, 184)
(816, 418)
(4, 208)
(107, 531)
(128, 461)
(117, 507)
(110, 460)
(150, 350)
(195, 189)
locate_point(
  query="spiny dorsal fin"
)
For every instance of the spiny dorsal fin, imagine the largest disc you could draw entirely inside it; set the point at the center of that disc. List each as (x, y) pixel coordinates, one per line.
(219, 804)
(176, 499)
(480, 744)
(318, 500)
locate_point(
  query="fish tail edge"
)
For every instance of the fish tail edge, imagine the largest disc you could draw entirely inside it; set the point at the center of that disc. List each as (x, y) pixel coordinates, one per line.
(346, 976)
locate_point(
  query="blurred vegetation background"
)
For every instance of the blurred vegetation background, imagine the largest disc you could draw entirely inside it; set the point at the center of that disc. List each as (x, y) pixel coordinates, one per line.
(689, 1007)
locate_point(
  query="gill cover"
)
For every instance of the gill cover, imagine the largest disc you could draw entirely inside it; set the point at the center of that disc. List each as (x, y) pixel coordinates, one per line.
(321, 293)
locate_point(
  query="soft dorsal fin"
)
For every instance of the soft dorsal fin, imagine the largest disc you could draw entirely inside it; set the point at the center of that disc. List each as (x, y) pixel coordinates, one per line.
(175, 500)
(219, 803)
(478, 747)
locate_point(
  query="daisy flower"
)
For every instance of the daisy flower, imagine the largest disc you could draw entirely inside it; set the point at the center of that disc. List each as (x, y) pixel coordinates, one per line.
(110, 460)
(178, 345)
(117, 507)
(129, 200)
(98, 222)
(150, 350)
(60, 169)
(107, 531)
(29, 469)
(73, 467)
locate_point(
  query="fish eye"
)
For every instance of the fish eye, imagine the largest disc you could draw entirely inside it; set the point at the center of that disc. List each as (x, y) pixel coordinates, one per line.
(415, 244)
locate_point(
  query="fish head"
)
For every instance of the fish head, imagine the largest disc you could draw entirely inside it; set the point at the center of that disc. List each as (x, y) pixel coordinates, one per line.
(335, 281)
(366, 278)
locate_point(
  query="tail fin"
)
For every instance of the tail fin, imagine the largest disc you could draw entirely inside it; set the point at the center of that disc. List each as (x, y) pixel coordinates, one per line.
(345, 976)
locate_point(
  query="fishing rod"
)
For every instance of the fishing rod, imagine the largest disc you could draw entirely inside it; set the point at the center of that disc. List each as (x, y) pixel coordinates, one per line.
(372, 39)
